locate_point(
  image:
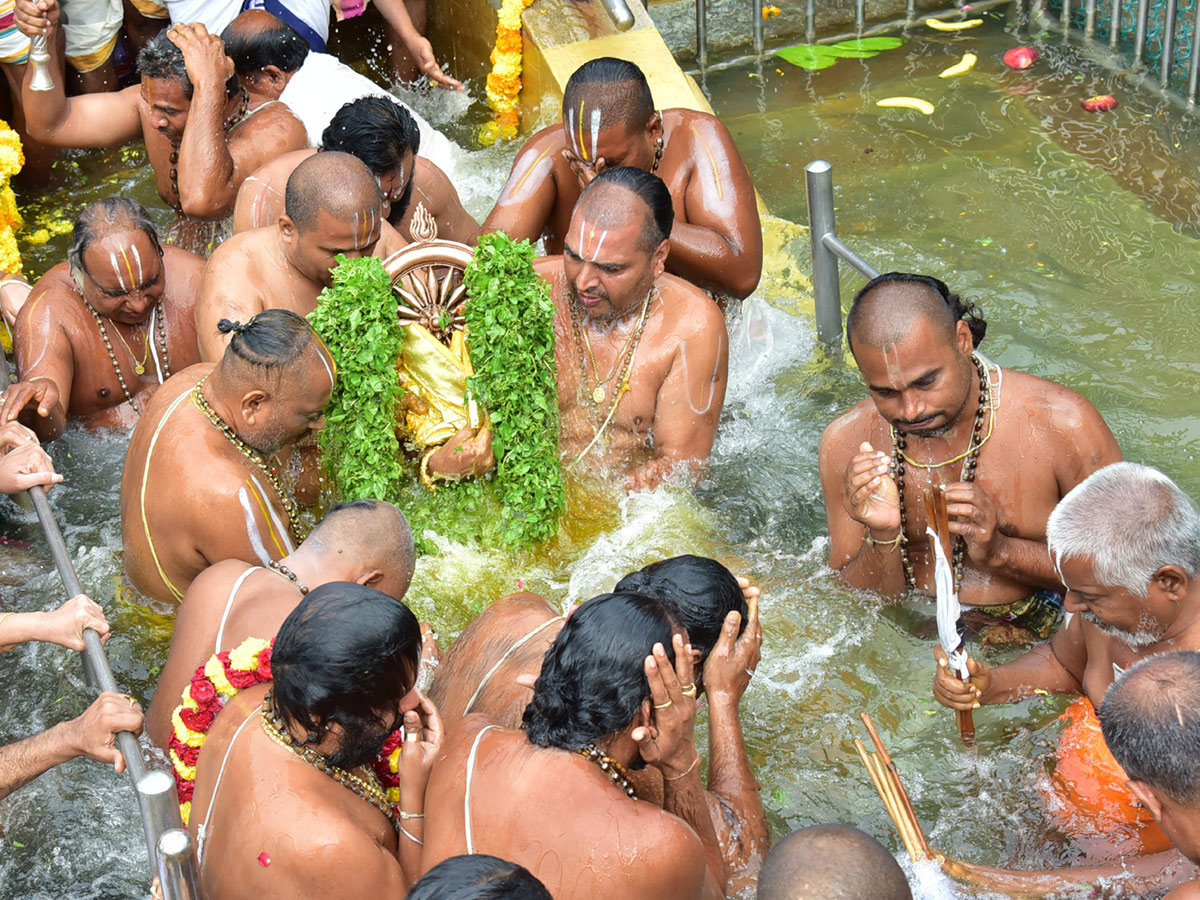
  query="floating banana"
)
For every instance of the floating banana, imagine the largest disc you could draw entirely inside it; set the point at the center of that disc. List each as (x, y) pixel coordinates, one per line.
(939, 25)
(922, 106)
(964, 65)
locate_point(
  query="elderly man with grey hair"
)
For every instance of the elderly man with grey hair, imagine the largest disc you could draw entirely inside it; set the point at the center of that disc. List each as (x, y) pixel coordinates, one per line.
(1126, 543)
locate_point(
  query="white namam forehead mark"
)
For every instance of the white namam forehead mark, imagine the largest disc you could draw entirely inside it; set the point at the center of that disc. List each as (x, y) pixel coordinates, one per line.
(366, 225)
(116, 267)
(137, 258)
(321, 351)
(595, 126)
(891, 358)
(589, 242)
(571, 132)
(711, 378)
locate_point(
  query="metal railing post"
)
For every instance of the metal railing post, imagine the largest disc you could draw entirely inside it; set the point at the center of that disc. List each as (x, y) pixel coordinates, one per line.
(177, 865)
(1194, 62)
(860, 15)
(1114, 30)
(1089, 25)
(818, 177)
(1139, 35)
(702, 34)
(1167, 61)
(756, 28)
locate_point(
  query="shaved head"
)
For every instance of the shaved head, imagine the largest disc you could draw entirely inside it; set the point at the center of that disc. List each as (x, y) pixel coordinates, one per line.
(336, 183)
(373, 533)
(886, 311)
(614, 89)
(831, 862)
(616, 196)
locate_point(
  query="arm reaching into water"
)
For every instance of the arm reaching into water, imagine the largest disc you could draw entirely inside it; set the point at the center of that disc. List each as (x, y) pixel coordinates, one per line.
(1131, 878)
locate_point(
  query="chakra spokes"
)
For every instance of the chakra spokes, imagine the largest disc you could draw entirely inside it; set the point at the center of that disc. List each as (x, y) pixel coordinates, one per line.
(427, 276)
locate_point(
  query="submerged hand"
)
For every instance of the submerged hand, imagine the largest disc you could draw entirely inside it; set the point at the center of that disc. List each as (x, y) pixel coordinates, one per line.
(468, 453)
(950, 691)
(872, 497)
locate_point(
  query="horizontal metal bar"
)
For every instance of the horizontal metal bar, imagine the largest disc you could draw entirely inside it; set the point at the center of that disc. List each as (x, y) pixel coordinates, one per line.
(833, 243)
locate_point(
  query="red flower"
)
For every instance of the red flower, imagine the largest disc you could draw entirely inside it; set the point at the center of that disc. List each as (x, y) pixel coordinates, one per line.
(197, 719)
(185, 789)
(264, 665)
(242, 680)
(203, 692)
(187, 755)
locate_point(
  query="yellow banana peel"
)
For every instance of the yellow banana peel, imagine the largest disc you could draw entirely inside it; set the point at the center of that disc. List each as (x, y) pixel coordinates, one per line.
(939, 25)
(921, 106)
(964, 65)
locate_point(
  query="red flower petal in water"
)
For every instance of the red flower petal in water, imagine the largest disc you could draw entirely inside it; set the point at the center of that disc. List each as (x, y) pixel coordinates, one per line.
(1021, 57)
(264, 860)
(1100, 103)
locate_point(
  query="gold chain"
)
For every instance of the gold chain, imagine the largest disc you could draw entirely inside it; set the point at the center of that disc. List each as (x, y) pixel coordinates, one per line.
(972, 447)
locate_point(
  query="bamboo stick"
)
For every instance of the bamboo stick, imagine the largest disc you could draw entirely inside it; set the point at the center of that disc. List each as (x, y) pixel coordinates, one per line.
(895, 774)
(888, 804)
(963, 718)
(904, 824)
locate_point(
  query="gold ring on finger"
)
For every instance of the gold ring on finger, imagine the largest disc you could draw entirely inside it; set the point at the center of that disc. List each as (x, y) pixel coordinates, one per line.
(663, 705)
(689, 690)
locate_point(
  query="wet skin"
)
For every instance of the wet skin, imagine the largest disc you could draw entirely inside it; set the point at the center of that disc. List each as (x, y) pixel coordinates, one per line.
(203, 500)
(717, 239)
(58, 344)
(260, 198)
(1045, 441)
(280, 267)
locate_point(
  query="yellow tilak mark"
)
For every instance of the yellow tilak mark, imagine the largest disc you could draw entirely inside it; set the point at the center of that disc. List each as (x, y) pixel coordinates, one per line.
(529, 171)
(716, 177)
(128, 268)
(266, 513)
(582, 147)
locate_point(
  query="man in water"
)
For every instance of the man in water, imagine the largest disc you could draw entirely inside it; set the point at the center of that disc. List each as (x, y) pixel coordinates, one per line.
(1006, 445)
(202, 136)
(489, 665)
(383, 135)
(363, 541)
(332, 206)
(609, 120)
(101, 331)
(831, 862)
(205, 476)
(274, 63)
(614, 693)
(344, 665)
(623, 327)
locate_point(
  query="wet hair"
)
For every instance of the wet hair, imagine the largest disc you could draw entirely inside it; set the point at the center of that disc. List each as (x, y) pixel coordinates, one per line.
(377, 130)
(1151, 722)
(270, 340)
(889, 315)
(373, 532)
(98, 218)
(627, 93)
(831, 862)
(650, 189)
(339, 183)
(1130, 521)
(699, 593)
(162, 59)
(257, 41)
(478, 877)
(346, 654)
(593, 679)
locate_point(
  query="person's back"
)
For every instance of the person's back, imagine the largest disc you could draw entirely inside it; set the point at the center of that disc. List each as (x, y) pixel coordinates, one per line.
(831, 862)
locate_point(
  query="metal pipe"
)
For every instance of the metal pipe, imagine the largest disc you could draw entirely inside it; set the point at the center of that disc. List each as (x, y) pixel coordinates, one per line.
(159, 806)
(1065, 18)
(620, 13)
(910, 12)
(39, 60)
(96, 660)
(818, 179)
(860, 15)
(1167, 61)
(1139, 35)
(702, 34)
(1114, 30)
(856, 262)
(1089, 24)
(177, 870)
(1194, 63)
(756, 26)
(810, 20)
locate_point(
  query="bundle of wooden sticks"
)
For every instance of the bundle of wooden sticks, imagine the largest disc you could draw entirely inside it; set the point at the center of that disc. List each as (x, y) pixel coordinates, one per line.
(891, 790)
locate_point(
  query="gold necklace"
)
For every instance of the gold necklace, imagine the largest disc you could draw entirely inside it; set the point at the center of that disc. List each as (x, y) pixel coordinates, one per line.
(610, 767)
(371, 791)
(112, 357)
(582, 342)
(289, 505)
(139, 367)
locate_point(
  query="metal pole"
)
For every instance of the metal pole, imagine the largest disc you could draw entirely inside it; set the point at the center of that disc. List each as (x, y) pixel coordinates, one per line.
(810, 20)
(1139, 36)
(1194, 63)
(701, 34)
(93, 653)
(860, 265)
(1167, 61)
(1065, 19)
(756, 10)
(860, 15)
(1114, 31)
(910, 12)
(177, 866)
(1089, 25)
(159, 806)
(620, 13)
(818, 177)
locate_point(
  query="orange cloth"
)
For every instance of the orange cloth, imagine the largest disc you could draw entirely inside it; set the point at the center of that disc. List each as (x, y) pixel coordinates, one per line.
(1087, 799)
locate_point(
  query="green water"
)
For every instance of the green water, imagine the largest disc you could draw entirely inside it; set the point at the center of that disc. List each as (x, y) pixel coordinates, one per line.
(1077, 236)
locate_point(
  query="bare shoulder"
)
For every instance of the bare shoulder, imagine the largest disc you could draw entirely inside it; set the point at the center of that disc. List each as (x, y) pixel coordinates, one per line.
(1053, 403)
(548, 267)
(674, 861)
(54, 291)
(237, 252)
(700, 126)
(1189, 890)
(851, 428)
(208, 588)
(687, 304)
(182, 262)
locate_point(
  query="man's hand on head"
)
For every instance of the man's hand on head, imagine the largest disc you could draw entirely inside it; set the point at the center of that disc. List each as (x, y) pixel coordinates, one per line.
(33, 17)
(584, 171)
(669, 744)
(731, 664)
(204, 56)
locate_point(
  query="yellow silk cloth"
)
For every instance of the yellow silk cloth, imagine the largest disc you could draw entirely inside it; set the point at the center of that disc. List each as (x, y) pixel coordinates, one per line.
(436, 375)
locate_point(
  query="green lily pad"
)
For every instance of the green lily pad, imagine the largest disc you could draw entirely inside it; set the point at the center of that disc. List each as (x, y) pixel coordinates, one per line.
(822, 56)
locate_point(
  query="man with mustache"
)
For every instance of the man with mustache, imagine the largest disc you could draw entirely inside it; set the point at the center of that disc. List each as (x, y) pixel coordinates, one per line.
(1006, 446)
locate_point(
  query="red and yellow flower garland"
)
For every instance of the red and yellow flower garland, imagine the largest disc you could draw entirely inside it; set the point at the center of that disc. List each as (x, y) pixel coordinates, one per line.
(212, 686)
(504, 81)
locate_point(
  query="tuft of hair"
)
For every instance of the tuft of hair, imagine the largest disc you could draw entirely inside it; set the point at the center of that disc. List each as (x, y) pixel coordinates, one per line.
(338, 183)
(346, 654)
(162, 59)
(269, 341)
(1151, 722)
(1130, 520)
(889, 306)
(593, 679)
(103, 216)
(478, 877)
(374, 532)
(831, 862)
(256, 39)
(378, 130)
(658, 213)
(615, 86)
(698, 592)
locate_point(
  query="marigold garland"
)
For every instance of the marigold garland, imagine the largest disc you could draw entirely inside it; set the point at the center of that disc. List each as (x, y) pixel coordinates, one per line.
(212, 686)
(504, 81)
(12, 158)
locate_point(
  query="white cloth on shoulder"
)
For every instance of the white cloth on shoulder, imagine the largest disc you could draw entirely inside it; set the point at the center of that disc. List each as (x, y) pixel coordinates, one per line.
(216, 14)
